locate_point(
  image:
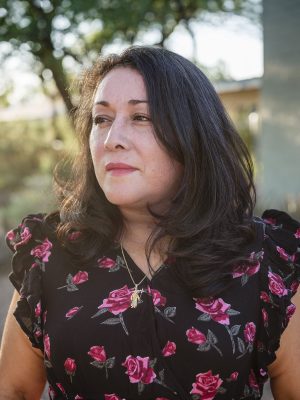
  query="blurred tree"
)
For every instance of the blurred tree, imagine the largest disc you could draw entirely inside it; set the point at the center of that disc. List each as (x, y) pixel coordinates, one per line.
(62, 33)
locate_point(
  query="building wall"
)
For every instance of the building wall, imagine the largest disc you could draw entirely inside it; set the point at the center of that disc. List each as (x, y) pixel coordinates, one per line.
(279, 145)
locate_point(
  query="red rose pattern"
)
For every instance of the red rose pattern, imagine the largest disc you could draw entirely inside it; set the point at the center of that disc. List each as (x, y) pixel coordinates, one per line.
(38, 309)
(157, 298)
(70, 366)
(118, 301)
(97, 353)
(42, 251)
(61, 388)
(265, 297)
(138, 370)
(290, 311)
(249, 332)
(265, 317)
(74, 236)
(249, 270)
(112, 396)
(169, 349)
(276, 284)
(252, 381)
(217, 309)
(206, 385)
(73, 311)
(106, 262)
(195, 336)
(234, 376)
(47, 346)
(284, 255)
(80, 277)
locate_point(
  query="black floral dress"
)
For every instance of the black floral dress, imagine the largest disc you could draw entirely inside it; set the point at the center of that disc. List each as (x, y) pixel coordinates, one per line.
(171, 346)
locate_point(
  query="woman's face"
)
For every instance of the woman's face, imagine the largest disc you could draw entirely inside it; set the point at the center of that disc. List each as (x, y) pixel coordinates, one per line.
(131, 167)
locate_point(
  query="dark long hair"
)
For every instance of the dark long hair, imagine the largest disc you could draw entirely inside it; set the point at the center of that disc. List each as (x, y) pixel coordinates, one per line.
(210, 220)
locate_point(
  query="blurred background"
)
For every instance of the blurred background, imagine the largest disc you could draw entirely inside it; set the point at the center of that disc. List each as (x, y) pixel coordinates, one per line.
(250, 49)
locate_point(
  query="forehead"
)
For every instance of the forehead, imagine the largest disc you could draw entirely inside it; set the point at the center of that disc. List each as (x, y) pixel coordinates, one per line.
(121, 83)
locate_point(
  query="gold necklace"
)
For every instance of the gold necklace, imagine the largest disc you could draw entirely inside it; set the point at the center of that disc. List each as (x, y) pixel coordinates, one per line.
(135, 296)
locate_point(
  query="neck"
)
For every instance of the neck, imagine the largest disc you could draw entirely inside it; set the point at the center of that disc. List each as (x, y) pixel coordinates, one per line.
(138, 226)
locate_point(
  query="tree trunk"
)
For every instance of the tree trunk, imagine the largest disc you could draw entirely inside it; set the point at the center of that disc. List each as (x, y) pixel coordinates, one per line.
(59, 76)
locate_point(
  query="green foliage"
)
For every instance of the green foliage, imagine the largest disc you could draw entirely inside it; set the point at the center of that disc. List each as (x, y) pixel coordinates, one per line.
(52, 30)
(28, 148)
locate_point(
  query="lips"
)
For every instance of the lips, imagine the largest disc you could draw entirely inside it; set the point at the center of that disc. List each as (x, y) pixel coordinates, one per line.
(119, 168)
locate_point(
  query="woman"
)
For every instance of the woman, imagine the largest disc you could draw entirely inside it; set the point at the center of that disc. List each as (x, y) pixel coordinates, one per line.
(153, 280)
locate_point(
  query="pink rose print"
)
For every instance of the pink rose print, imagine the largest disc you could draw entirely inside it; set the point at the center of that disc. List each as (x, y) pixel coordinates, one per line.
(25, 237)
(284, 255)
(70, 367)
(80, 277)
(10, 236)
(157, 298)
(74, 236)
(276, 284)
(106, 262)
(37, 332)
(195, 336)
(217, 309)
(73, 311)
(249, 332)
(161, 398)
(47, 346)
(100, 360)
(294, 286)
(290, 311)
(97, 353)
(138, 369)
(61, 388)
(51, 393)
(253, 381)
(38, 310)
(112, 396)
(118, 301)
(297, 234)
(265, 297)
(246, 269)
(169, 349)
(44, 316)
(262, 372)
(206, 385)
(77, 397)
(234, 376)
(42, 251)
(265, 317)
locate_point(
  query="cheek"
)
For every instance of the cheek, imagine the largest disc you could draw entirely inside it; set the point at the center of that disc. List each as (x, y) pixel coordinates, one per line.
(96, 147)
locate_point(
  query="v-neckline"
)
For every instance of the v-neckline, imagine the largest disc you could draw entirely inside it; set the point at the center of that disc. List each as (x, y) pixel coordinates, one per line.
(131, 263)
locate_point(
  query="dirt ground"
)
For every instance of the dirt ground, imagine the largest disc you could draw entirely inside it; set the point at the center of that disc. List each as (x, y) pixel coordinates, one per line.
(6, 291)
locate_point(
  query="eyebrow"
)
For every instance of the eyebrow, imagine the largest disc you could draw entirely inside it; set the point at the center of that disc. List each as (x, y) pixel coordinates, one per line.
(132, 101)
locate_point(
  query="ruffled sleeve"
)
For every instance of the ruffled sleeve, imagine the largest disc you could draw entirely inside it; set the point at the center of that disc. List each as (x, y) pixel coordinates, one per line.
(279, 280)
(31, 251)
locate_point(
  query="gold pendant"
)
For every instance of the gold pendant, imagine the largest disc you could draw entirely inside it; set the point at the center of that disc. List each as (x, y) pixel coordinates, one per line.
(135, 298)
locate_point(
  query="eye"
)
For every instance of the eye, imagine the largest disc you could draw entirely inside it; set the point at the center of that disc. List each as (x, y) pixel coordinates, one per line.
(142, 118)
(100, 120)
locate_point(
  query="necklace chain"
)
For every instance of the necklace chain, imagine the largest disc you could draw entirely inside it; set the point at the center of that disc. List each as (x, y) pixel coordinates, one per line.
(135, 297)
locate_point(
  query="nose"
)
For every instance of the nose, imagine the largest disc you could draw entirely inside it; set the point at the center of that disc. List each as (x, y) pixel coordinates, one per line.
(116, 137)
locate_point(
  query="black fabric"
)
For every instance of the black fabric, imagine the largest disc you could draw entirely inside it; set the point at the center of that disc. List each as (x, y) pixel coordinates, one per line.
(170, 346)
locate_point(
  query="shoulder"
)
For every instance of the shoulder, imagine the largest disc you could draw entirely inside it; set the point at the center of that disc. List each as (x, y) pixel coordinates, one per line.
(32, 243)
(278, 236)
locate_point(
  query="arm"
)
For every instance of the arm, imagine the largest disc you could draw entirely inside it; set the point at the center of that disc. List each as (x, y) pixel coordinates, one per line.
(285, 370)
(22, 372)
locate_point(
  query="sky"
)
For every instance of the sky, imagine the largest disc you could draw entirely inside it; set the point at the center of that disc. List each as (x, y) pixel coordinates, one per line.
(235, 42)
